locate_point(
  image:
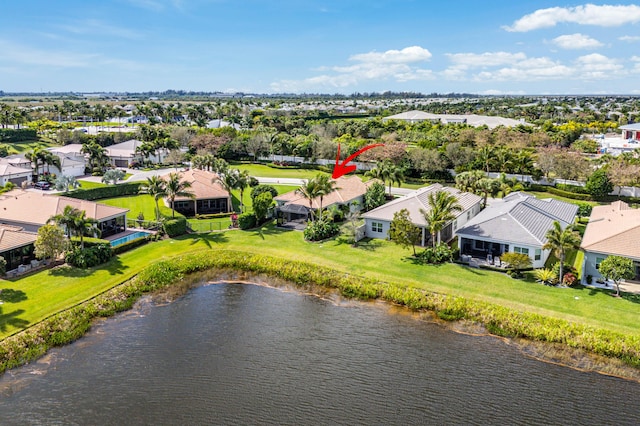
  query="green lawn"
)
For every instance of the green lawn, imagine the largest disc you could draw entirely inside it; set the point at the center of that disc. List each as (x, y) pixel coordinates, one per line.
(261, 170)
(87, 184)
(49, 291)
(24, 146)
(142, 203)
(543, 195)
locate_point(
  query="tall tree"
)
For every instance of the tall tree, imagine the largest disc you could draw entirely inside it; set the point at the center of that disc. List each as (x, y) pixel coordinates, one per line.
(309, 190)
(442, 209)
(326, 186)
(50, 243)
(242, 183)
(176, 187)
(156, 187)
(560, 240)
(76, 222)
(228, 180)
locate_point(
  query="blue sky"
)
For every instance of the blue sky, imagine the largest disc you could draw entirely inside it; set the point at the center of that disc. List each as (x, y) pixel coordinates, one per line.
(321, 46)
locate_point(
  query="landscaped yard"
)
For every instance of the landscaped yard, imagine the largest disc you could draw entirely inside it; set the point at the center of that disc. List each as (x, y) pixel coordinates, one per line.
(46, 292)
(261, 170)
(24, 146)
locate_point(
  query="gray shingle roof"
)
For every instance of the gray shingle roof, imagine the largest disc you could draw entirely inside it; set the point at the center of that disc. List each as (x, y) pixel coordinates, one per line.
(419, 199)
(519, 218)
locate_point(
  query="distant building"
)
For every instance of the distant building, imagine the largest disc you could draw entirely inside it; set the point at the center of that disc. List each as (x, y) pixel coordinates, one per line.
(474, 120)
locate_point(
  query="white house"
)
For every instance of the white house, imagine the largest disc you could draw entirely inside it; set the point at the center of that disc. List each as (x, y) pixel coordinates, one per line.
(124, 154)
(72, 161)
(378, 220)
(518, 223)
(14, 174)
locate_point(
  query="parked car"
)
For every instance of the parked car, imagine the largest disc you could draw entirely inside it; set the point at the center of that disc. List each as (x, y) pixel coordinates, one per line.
(44, 185)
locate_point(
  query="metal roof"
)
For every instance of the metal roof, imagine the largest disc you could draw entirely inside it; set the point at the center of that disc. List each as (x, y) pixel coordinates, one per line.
(519, 218)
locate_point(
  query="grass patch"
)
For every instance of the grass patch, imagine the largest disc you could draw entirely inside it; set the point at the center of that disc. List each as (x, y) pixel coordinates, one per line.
(24, 146)
(261, 170)
(87, 184)
(142, 203)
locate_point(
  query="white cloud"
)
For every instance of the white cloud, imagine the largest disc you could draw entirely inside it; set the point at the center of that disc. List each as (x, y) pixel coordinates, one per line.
(487, 59)
(397, 65)
(576, 41)
(20, 54)
(405, 56)
(629, 39)
(589, 14)
(635, 58)
(597, 66)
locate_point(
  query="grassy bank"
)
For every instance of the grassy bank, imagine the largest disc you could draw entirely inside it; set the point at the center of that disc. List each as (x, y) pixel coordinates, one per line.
(67, 326)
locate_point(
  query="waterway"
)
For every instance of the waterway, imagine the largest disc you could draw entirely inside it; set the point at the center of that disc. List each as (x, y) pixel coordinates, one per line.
(246, 354)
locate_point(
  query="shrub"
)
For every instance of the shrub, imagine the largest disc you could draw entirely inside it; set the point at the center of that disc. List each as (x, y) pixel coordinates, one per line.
(261, 189)
(433, 255)
(598, 184)
(566, 269)
(17, 135)
(175, 227)
(90, 256)
(546, 276)
(3, 266)
(247, 221)
(132, 244)
(517, 261)
(320, 230)
(112, 191)
(569, 279)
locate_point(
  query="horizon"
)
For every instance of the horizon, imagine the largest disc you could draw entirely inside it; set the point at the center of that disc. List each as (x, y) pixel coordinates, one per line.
(321, 47)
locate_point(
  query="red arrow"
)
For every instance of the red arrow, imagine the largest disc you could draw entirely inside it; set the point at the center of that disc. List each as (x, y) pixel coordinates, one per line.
(343, 169)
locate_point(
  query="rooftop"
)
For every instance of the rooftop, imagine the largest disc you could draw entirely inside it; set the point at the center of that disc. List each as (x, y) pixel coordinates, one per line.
(613, 229)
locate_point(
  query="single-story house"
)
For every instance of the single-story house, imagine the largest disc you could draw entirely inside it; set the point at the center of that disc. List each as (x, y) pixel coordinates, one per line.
(631, 131)
(14, 174)
(378, 220)
(72, 161)
(123, 154)
(518, 223)
(349, 189)
(210, 196)
(16, 245)
(612, 230)
(32, 209)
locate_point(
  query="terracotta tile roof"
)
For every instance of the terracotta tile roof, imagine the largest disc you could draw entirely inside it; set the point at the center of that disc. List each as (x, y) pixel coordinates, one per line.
(202, 185)
(613, 229)
(37, 207)
(14, 236)
(348, 189)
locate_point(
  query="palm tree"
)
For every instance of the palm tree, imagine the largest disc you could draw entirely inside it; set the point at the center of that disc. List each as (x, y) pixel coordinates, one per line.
(156, 187)
(560, 240)
(83, 225)
(76, 222)
(242, 183)
(65, 219)
(177, 188)
(442, 206)
(228, 181)
(485, 156)
(35, 156)
(325, 186)
(51, 159)
(98, 158)
(309, 190)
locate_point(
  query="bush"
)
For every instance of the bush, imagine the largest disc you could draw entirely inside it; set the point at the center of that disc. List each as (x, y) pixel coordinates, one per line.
(17, 135)
(261, 189)
(320, 230)
(90, 256)
(175, 227)
(247, 221)
(569, 279)
(598, 184)
(3, 266)
(441, 253)
(577, 189)
(112, 191)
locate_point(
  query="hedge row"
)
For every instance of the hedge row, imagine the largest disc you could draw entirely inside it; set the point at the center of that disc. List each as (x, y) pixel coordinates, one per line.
(559, 192)
(110, 191)
(17, 135)
(69, 325)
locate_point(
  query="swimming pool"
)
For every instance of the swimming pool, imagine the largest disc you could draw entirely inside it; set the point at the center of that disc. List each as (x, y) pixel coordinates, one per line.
(136, 235)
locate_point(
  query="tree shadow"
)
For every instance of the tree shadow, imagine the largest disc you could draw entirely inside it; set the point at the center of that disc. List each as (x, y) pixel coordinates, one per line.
(12, 296)
(269, 230)
(11, 319)
(69, 271)
(114, 266)
(369, 245)
(208, 239)
(630, 297)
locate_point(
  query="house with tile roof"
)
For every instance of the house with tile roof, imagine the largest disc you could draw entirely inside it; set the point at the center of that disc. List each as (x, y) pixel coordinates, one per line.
(613, 230)
(16, 245)
(124, 154)
(348, 189)
(210, 196)
(378, 220)
(517, 223)
(32, 209)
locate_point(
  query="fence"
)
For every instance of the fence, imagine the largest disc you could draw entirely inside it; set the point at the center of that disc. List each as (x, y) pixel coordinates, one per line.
(144, 224)
(208, 226)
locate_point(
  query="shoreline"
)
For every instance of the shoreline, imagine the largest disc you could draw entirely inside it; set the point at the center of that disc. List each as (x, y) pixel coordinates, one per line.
(610, 353)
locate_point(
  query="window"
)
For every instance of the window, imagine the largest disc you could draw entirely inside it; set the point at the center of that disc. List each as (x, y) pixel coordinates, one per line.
(538, 254)
(376, 226)
(521, 250)
(455, 225)
(468, 214)
(481, 245)
(599, 261)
